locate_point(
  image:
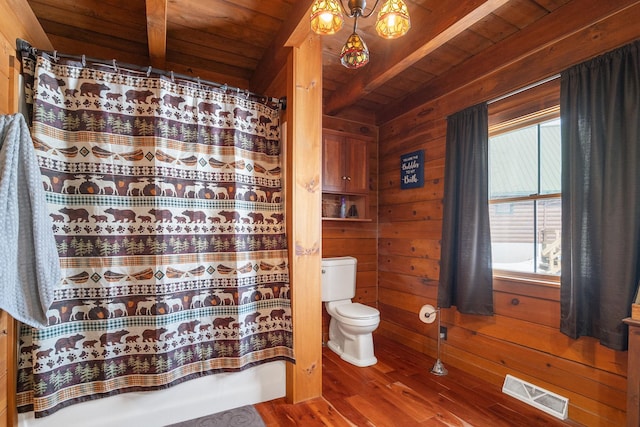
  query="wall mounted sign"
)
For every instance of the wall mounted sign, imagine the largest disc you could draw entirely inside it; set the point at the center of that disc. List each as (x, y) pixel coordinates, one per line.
(412, 170)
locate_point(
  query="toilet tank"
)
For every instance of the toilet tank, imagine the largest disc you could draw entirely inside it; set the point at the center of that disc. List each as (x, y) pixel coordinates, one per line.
(338, 278)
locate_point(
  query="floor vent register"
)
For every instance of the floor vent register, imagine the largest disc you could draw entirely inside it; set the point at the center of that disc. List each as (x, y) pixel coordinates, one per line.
(537, 397)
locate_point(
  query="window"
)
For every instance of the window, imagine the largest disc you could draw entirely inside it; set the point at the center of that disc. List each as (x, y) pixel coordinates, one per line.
(525, 195)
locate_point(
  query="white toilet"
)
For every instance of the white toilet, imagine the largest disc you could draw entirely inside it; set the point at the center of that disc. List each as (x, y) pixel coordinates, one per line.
(352, 324)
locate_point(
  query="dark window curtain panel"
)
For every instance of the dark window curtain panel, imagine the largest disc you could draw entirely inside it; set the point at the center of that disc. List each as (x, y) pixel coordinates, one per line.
(600, 104)
(466, 277)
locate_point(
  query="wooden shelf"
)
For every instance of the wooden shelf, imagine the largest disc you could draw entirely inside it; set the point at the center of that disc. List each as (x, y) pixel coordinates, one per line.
(347, 219)
(331, 206)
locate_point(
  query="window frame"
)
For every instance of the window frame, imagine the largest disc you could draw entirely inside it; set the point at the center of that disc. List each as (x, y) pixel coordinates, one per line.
(534, 106)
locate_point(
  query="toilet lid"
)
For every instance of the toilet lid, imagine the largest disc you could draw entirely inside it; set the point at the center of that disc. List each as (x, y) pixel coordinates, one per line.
(357, 311)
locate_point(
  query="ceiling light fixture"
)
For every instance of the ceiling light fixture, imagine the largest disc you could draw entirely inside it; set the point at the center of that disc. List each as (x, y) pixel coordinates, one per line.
(327, 18)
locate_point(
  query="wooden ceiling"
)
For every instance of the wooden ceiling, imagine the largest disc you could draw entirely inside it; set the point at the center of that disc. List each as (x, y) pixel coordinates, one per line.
(228, 40)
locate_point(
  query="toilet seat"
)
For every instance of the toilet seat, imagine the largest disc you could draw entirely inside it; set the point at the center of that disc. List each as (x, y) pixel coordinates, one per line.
(357, 311)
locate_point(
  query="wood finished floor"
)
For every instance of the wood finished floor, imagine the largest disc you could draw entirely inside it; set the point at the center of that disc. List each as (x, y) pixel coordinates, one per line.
(400, 391)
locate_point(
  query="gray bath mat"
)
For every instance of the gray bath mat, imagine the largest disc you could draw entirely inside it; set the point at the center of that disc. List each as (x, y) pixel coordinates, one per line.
(245, 416)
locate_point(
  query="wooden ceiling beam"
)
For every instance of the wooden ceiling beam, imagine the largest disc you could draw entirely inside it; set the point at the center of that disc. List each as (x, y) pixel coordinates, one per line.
(540, 36)
(157, 32)
(429, 31)
(294, 27)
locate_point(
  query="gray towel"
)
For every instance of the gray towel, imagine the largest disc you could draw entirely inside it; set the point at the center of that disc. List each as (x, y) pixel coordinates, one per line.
(29, 264)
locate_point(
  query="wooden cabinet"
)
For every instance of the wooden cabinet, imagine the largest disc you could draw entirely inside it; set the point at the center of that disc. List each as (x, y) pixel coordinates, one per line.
(345, 162)
(345, 176)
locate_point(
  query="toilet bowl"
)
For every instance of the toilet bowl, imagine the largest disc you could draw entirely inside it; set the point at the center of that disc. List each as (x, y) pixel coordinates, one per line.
(352, 324)
(350, 331)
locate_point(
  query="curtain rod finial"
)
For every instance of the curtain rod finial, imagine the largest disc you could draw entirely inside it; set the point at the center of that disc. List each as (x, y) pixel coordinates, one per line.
(22, 45)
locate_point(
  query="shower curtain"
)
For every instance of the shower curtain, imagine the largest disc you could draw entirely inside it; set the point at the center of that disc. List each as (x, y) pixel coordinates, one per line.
(165, 199)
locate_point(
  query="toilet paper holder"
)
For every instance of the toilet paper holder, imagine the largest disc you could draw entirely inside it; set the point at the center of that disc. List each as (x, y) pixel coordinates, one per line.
(428, 314)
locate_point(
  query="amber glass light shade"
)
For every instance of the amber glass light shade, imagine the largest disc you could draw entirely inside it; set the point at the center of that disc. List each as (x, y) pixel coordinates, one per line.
(393, 19)
(326, 17)
(355, 53)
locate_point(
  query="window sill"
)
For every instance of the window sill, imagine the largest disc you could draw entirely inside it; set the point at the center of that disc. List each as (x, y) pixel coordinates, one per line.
(538, 286)
(536, 279)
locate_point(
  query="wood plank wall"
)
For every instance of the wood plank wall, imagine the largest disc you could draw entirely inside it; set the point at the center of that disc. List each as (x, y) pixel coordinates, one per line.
(523, 337)
(16, 21)
(357, 239)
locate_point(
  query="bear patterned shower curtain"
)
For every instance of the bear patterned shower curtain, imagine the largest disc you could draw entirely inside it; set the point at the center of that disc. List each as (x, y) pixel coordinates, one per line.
(166, 203)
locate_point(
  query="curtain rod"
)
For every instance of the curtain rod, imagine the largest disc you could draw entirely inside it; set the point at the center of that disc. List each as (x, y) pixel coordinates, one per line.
(522, 89)
(25, 46)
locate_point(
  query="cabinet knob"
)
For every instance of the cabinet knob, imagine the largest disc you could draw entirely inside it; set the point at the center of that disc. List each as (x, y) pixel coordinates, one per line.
(4, 332)
(348, 178)
(344, 178)
(515, 301)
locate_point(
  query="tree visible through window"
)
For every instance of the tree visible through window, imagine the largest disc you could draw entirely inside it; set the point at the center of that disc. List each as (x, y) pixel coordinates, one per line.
(525, 196)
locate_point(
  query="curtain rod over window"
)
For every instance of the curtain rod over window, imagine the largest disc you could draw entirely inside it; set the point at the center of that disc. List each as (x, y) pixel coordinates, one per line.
(522, 89)
(25, 46)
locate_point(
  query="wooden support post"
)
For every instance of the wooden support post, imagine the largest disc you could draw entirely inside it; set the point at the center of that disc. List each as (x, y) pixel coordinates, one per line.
(304, 223)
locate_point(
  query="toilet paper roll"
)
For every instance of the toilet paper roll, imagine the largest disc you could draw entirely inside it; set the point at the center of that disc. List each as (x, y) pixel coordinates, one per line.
(427, 314)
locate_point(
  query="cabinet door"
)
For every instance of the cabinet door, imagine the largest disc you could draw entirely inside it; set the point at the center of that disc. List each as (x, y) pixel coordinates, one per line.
(333, 160)
(356, 166)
